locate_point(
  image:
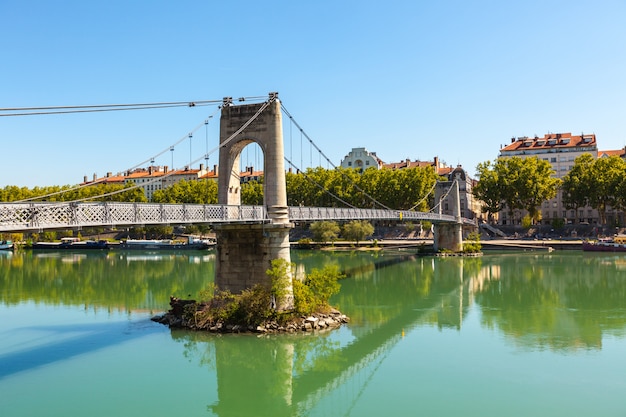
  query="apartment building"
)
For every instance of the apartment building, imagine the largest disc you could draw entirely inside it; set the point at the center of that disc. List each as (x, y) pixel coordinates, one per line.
(361, 158)
(560, 150)
(155, 178)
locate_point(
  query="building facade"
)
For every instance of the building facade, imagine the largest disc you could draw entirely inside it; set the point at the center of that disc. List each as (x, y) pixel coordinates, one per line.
(361, 158)
(560, 150)
(470, 207)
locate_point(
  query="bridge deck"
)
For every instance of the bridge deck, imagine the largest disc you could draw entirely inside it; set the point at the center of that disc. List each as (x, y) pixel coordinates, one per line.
(17, 217)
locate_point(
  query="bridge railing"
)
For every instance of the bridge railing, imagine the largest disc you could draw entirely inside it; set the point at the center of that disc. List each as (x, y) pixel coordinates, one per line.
(52, 215)
(40, 216)
(338, 213)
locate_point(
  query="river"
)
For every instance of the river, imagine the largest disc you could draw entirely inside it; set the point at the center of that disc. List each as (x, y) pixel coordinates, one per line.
(541, 334)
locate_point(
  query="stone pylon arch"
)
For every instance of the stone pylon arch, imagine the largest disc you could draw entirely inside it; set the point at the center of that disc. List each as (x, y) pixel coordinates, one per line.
(245, 251)
(266, 131)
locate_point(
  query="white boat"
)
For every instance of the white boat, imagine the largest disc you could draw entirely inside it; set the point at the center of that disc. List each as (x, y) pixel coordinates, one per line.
(156, 244)
(6, 245)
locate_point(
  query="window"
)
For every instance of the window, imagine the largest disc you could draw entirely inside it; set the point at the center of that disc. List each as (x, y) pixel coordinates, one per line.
(552, 159)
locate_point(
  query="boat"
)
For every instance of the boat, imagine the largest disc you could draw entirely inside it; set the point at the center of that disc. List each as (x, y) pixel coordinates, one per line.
(6, 245)
(72, 243)
(614, 244)
(164, 244)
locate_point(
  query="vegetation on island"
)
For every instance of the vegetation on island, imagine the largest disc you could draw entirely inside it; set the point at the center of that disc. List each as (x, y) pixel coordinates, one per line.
(471, 243)
(254, 308)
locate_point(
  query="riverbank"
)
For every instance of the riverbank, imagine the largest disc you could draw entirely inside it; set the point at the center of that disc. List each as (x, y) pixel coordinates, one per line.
(427, 245)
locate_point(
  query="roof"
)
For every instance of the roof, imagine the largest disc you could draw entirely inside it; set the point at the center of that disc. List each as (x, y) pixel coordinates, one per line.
(619, 152)
(550, 141)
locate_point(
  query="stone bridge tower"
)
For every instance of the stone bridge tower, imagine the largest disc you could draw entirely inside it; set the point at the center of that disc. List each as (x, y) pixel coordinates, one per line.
(449, 235)
(245, 251)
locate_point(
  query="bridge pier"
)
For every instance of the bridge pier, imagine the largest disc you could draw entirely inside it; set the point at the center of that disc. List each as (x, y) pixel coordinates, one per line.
(448, 236)
(246, 251)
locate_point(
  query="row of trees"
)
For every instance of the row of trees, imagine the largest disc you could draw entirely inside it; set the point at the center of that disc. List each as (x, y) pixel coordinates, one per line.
(598, 183)
(515, 184)
(525, 183)
(329, 231)
(318, 187)
(103, 192)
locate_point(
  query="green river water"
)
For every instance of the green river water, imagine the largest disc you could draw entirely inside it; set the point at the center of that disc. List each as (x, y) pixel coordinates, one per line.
(525, 334)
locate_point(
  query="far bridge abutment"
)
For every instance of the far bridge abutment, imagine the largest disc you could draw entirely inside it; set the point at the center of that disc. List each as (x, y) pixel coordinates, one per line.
(448, 236)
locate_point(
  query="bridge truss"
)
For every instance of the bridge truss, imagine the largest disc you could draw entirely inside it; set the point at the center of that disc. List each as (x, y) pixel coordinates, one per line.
(21, 217)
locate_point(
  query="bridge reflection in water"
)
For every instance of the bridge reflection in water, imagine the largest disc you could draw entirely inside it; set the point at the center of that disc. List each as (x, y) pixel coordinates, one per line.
(295, 374)
(508, 308)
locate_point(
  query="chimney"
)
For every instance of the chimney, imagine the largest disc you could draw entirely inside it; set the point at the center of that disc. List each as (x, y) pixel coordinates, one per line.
(85, 178)
(201, 167)
(436, 161)
(109, 174)
(250, 170)
(215, 169)
(95, 177)
(165, 169)
(150, 170)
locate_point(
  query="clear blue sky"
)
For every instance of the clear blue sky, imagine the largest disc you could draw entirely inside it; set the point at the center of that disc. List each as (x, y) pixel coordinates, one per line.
(405, 79)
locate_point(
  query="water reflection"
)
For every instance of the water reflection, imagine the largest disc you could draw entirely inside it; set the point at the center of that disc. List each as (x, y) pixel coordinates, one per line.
(559, 302)
(563, 302)
(538, 302)
(116, 281)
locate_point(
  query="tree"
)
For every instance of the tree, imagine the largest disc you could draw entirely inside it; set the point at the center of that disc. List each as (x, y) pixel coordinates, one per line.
(577, 183)
(597, 183)
(325, 231)
(517, 184)
(357, 230)
(535, 184)
(607, 175)
(488, 189)
(252, 193)
(191, 192)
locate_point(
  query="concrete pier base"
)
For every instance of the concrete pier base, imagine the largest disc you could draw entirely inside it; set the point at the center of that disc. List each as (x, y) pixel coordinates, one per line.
(246, 251)
(448, 236)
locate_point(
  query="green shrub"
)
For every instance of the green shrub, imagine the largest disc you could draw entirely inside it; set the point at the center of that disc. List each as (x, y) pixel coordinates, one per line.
(304, 299)
(323, 284)
(472, 243)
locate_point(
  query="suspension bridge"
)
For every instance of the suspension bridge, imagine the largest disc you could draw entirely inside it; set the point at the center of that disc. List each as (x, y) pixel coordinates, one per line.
(248, 237)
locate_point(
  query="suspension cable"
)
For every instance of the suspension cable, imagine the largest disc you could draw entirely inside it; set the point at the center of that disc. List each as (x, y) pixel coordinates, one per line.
(319, 185)
(43, 110)
(102, 180)
(331, 163)
(230, 138)
(442, 197)
(425, 197)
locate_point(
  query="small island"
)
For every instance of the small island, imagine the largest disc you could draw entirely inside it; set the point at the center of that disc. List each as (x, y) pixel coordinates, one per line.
(259, 309)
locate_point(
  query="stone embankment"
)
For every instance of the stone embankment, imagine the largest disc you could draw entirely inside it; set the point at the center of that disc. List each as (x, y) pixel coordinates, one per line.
(175, 318)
